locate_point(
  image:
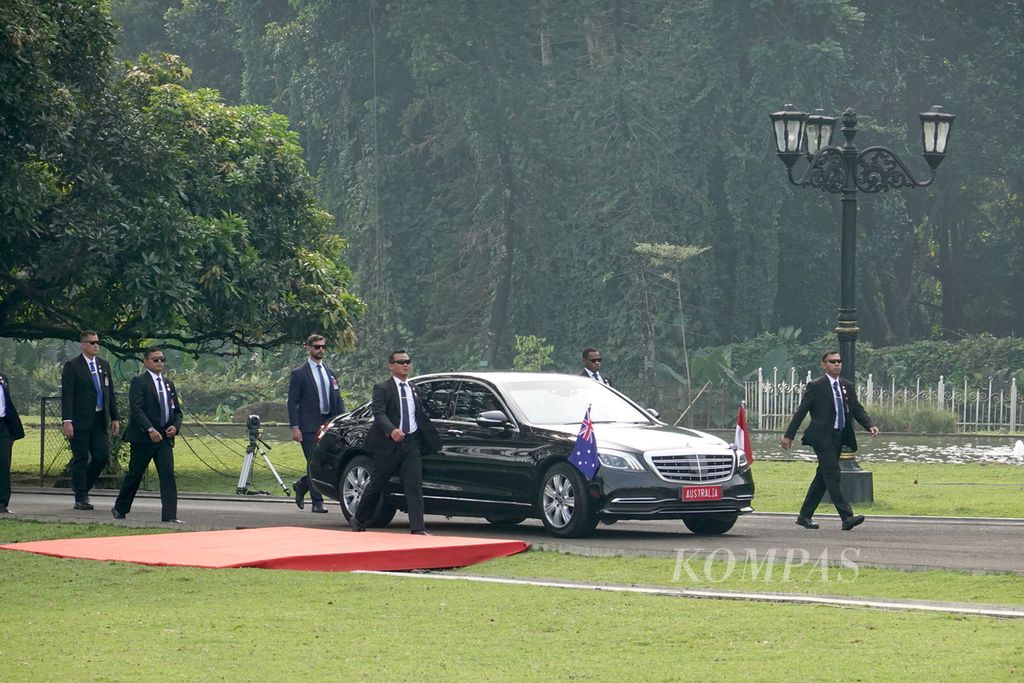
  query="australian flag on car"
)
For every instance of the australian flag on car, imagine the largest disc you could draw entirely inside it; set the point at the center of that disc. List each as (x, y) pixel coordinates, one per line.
(584, 455)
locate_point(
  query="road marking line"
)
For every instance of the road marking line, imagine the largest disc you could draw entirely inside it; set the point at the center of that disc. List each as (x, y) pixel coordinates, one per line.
(872, 603)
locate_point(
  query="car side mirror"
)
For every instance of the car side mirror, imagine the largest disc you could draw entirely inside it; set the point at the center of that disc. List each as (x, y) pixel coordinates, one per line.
(653, 413)
(492, 418)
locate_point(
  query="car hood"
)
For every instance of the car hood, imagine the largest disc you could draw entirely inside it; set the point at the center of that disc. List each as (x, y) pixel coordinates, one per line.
(644, 438)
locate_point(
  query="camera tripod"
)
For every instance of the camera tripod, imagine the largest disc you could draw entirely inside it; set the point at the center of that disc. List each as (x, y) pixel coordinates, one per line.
(257, 446)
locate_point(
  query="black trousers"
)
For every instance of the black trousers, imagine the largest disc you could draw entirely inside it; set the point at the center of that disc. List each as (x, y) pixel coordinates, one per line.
(6, 446)
(405, 459)
(90, 451)
(308, 446)
(826, 478)
(162, 454)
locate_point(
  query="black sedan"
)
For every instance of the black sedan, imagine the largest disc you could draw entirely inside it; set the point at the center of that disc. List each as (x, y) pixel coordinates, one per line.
(507, 437)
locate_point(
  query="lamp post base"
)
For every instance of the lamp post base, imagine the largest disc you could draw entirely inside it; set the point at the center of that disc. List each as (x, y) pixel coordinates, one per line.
(856, 484)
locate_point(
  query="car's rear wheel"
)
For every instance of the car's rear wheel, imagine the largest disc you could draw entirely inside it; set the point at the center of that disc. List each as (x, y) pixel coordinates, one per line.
(566, 510)
(710, 525)
(504, 521)
(354, 479)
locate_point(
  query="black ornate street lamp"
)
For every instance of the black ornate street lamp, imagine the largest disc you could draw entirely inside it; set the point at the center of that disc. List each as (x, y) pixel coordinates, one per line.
(845, 171)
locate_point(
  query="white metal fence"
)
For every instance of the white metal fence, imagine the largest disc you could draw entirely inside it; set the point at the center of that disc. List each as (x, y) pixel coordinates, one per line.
(773, 397)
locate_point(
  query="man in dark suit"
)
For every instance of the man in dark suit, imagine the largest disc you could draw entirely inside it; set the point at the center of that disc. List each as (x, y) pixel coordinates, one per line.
(153, 422)
(592, 366)
(313, 399)
(10, 431)
(832, 402)
(87, 405)
(400, 435)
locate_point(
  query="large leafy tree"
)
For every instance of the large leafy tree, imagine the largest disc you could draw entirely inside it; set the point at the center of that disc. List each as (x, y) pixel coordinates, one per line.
(145, 210)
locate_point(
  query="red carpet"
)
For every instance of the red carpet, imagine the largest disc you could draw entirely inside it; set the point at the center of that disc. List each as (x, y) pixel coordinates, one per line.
(283, 547)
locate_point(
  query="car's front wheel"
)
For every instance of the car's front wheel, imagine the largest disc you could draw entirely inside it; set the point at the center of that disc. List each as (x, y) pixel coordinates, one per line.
(354, 479)
(710, 525)
(566, 510)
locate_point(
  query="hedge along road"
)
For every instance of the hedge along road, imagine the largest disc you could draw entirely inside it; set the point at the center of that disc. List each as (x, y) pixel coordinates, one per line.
(914, 543)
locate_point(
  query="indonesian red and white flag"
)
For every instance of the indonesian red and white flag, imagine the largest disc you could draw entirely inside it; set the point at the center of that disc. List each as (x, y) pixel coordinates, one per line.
(742, 438)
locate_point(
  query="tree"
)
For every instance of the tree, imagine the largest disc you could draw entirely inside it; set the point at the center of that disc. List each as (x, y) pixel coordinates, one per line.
(158, 212)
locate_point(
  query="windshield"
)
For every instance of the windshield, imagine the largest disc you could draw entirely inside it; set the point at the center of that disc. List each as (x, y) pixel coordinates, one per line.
(564, 401)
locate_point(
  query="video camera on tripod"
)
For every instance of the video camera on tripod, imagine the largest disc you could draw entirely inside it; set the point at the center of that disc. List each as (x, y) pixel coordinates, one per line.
(260, 447)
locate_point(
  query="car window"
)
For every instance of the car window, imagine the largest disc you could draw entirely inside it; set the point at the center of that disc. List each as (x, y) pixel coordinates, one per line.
(474, 399)
(564, 400)
(437, 397)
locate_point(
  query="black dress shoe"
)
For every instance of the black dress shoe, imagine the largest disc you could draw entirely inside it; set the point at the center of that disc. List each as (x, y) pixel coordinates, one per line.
(300, 493)
(116, 514)
(421, 532)
(806, 523)
(355, 524)
(852, 521)
(83, 505)
(4, 510)
(174, 520)
(319, 507)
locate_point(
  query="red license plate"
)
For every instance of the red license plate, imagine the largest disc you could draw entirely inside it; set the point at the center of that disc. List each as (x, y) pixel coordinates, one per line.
(693, 493)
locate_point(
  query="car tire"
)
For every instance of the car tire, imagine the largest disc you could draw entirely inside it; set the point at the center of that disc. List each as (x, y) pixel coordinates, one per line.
(354, 478)
(565, 508)
(505, 521)
(710, 525)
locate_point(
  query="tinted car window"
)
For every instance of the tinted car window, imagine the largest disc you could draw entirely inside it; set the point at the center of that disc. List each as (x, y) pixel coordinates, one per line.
(564, 401)
(474, 399)
(437, 398)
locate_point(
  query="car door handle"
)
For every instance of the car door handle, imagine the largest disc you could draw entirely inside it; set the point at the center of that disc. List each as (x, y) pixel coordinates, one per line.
(453, 432)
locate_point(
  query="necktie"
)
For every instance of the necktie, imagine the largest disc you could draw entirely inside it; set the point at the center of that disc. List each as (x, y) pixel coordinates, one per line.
(597, 376)
(840, 412)
(96, 384)
(165, 413)
(405, 409)
(325, 401)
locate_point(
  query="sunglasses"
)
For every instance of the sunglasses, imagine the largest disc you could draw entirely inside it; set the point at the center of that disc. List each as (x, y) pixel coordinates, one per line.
(834, 361)
(593, 360)
(157, 360)
(401, 362)
(318, 346)
(93, 343)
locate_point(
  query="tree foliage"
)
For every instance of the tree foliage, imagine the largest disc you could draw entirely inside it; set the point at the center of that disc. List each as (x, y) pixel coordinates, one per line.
(142, 209)
(494, 165)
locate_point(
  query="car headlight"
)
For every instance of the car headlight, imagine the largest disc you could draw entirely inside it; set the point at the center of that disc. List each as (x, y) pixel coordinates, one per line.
(741, 459)
(619, 461)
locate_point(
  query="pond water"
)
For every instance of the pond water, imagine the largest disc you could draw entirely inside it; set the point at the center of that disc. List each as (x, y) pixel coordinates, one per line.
(901, 448)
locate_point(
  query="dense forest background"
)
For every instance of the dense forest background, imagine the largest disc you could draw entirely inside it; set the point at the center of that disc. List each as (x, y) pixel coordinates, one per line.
(602, 172)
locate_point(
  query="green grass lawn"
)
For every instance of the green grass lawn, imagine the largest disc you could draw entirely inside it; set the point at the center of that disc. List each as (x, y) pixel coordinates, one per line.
(105, 621)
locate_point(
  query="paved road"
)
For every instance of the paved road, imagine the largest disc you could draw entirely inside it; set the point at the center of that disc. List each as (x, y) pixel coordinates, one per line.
(977, 545)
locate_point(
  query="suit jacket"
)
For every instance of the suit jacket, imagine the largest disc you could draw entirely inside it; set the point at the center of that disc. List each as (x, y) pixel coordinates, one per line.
(387, 414)
(11, 418)
(304, 399)
(78, 393)
(145, 412)
(820, 402)
(586, 374)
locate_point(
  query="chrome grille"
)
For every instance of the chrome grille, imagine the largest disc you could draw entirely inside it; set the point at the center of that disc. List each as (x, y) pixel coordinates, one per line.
(691, 468)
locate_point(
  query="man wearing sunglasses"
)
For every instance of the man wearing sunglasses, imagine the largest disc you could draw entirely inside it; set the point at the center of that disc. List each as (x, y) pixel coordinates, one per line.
(154, 421)
(592, 366)
(833, 405)
(88, 405)
(313, 399)
(401, 434)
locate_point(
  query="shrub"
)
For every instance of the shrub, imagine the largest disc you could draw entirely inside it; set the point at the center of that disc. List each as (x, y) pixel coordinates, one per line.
(920, 420)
